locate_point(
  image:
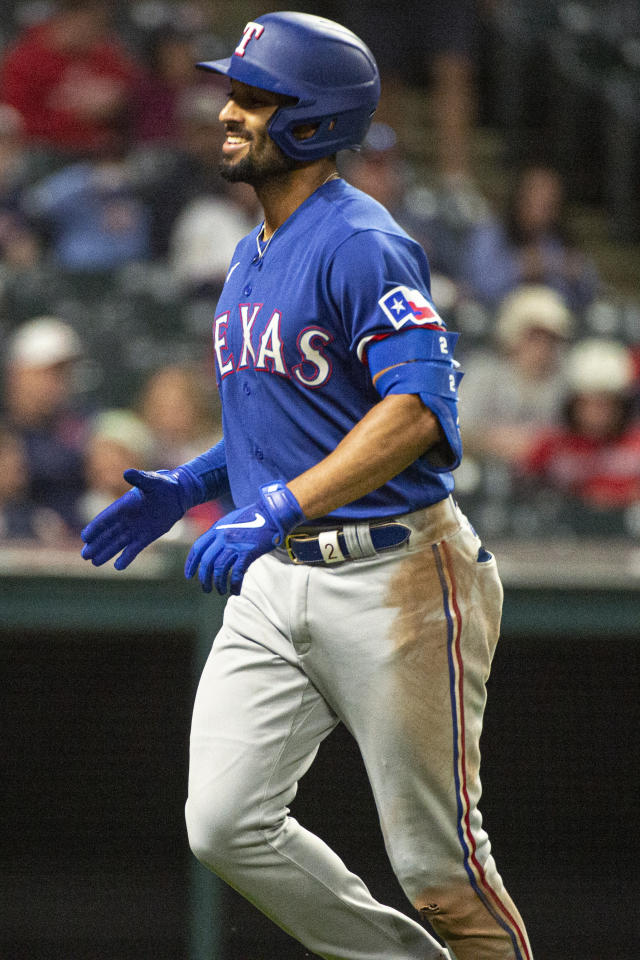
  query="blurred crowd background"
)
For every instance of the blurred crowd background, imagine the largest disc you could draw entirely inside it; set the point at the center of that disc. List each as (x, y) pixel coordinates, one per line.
(507, 142)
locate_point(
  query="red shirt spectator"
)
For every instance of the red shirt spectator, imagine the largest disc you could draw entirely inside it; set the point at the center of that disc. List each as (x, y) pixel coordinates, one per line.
(602, 473)
(596, 456)
(169, 87)
(70, 80)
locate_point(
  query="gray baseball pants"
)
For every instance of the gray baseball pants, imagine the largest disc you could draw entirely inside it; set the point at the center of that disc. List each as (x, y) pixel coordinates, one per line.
(398, 647)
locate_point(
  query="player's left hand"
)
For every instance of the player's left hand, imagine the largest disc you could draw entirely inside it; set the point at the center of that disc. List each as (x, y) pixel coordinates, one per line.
(240, 537)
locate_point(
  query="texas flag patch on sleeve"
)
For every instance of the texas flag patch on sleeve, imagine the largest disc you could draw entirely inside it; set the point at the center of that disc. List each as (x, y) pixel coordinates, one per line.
(403, 305)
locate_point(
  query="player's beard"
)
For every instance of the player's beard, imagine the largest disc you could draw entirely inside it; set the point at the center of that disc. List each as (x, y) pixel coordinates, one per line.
(263, 161)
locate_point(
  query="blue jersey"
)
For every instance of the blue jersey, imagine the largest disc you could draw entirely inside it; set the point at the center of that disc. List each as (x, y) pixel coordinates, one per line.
(290, 340)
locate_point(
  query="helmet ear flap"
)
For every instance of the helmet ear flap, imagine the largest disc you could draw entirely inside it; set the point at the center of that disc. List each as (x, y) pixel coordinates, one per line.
(340, 131)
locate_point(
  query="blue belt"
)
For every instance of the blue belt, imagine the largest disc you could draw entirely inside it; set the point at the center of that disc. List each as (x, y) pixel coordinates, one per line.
(350, 541)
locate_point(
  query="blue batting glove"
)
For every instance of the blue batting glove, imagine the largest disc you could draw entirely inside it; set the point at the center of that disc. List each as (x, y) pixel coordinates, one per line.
(242, 536)
(141, 515)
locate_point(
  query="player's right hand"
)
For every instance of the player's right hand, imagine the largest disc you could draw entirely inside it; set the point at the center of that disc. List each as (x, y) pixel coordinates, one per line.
(228, 548)
(137, 518)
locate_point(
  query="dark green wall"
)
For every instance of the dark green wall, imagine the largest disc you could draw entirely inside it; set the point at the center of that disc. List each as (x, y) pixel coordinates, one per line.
(98, 677)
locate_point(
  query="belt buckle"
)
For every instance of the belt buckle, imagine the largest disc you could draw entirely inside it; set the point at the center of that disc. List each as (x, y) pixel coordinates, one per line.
(287, 546)
(309, 538)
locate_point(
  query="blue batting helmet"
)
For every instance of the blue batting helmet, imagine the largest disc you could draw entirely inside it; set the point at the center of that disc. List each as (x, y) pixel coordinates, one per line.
(329, 71)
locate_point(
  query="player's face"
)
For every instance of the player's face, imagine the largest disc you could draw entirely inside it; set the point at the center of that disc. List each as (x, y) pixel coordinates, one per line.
(249, 155)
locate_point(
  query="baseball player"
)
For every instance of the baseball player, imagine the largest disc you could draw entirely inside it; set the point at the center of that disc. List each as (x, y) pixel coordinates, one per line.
(359, 592)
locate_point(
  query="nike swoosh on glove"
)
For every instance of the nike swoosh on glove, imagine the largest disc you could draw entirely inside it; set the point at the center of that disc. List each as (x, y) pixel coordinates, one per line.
(141, 515)
(240, 537)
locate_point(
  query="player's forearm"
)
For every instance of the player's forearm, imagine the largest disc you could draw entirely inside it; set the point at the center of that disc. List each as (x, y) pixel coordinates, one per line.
(384, 443)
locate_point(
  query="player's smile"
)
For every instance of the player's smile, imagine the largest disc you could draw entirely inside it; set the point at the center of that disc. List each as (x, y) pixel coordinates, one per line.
(248, 152)
(237, 136)
(247, 107)
(234, 142)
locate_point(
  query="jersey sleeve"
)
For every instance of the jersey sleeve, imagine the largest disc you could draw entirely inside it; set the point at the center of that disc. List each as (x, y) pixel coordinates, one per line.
(379, 284)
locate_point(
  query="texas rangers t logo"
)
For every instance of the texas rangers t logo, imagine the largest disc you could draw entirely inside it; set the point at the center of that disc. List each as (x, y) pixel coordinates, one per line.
(402, 305)
(250, 31)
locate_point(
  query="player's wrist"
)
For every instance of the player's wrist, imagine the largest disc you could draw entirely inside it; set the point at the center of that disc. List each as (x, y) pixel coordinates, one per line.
(282, 506)
(192, 490)
(210, 469)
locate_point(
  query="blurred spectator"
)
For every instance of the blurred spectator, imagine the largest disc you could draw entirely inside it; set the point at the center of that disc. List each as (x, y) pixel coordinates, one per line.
(595, 456)
(634, 350)
(182, 413)
(520, 35)
(439, 46)
(381, 169)
(117, 440)
(531, 245)
(170, 81)
(93, 215)
(120, 439)
(205, 236)
(450, 38)
(20, 518)
(506, 395)
(71, 80)
(184, 416)
(39, 408)
(19, 243)
(173, 177)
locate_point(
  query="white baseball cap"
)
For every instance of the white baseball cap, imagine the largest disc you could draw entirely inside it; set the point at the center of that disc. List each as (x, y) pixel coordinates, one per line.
(600, 366)
(44, 342)
(532, 306)
(123, 427)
